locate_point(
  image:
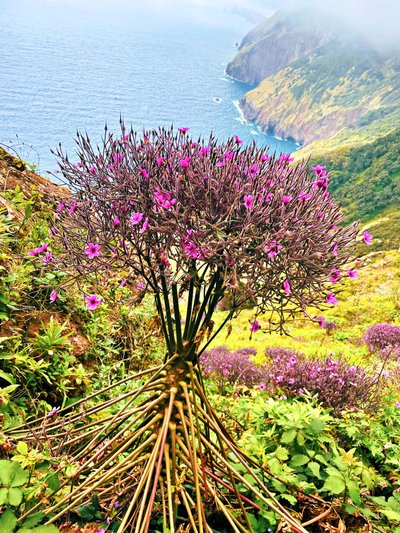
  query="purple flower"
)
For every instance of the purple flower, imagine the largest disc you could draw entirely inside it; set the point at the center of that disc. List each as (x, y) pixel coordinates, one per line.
(353, 274)
(53, 296)
(286, 287)
(92, 302)
(183, 130)
(367, 238)
(262, 386)
(140, 286)
(303, 196)
(204, 151)
(319, 170)
(248, 201)
(335, 275)
(60, 208)
(123, 283)
(185, 162)
(34, 253)
(287, 199)
(48, 258)
(145, 225)
(72, 209)
(116, 221)
(93, 250)
(397, 404)
(331, 298)
(159, 161)
(254, 326)
(321, 321)
(54, 411)
(237, 140)
(286, 158)
(136, 218)
(143, 172)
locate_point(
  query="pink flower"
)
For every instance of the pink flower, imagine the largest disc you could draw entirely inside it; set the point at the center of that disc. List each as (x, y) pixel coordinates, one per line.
(60, 208)
(53, 296)
(145, 225)
(397, 404)
(164, 260)
(321, 321)
(253, 170)
(79, 164)
(367, 238)
(53, 231)
(303, 196)
(286, 158)
(54, 411)
(43, 247)
(319, 170)
(116, 221)
(93, 250)
(185, 162)
(237, 140)
(92, 302)
(143, 172)
(353, 274)
(159, 161)
(204, 151)
(335, 249)
(254, 326)
(72, 209)
(92, 169)
(321, 183)
(140, 286)
(331, 298)
(48, 258)
(262, 386)
(229, 155)
(123, 283)
(286, 287)
(248, 201)
(287, 199)
(272, 249)
(265, 157)
(163, 199)
(34, 253)
(136, 218)
(183, 130)
(335, 276)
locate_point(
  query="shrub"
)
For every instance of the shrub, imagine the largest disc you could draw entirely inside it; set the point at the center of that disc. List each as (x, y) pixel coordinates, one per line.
(234, 368)
(338, 384)
(380, 336)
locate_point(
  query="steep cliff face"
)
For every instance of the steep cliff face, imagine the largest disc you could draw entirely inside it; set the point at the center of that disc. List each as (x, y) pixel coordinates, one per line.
(276, 43)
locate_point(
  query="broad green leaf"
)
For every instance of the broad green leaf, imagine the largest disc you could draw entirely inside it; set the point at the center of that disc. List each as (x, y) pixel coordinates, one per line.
(301, 439)
(316, 425)
(281, 453)
(11, 474)
(53, 482)
(334, 484)
(288, 436)
(40, 529)
(7, 522)
(14, 497)
(33, 520)
(3, 496)
(354, 492)
(22, 448)
(7, 377)
(299, 460)
(315, 468)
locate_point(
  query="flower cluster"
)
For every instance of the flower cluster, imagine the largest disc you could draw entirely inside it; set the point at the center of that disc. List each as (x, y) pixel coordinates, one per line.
(338, 384)
(234, 368)
(381, 336)
(162, 206)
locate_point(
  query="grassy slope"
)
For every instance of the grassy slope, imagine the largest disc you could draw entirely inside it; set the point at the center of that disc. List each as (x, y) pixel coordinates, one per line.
(374, 297)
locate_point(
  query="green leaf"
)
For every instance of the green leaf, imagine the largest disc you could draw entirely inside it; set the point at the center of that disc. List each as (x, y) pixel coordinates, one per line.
(53, 482)
(334, 485)
(3, 496)
(281, 453)
(7, 377)
(40, 529)
(315, 469)
(301, 439)
(22, 448)
(354, 492)
(7, 522)
(288, 436)
(299, 460)
(11, 474)
(316, 425)
(33, 520)
(14, 497)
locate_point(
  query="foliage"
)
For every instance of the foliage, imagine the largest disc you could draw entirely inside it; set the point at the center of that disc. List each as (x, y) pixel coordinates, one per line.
(234, 368)
(336, 383)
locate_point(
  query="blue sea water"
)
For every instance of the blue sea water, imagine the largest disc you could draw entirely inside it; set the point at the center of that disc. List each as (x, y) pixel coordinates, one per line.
(78, 64)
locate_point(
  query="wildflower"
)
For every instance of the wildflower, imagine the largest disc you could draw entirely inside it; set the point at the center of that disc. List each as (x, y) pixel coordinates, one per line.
(286, 287)
(92, 302)
(163, 199)
(53, 231)
(335, 249)
(140, 286)
(136, 218)
(183, 130)
(321, 321)
(116, 221)
(159, 161)
(253, 170)
(53, 296)
(353, 274)
(254, 326)
(331, 298)
(54, 411)
(248, 201)
(319, 170)
(286, 158)
(287, 199)
(272, 249)
(145, 225)
(92, 169)
(229, 155)
(79, 164)
(123, 283)
(60, 208)
(303, 196)
(397, 404)
(143, 172)
(265, 157)
(164, 260)
(262, 386)
(237, 140)
(185, 162)
(335, 275)
(34, 252)
(93, 250)
(48, 258)
(204, 151)
(72, 209)
(367, 238)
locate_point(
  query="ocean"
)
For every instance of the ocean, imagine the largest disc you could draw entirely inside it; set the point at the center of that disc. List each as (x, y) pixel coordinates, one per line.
(69, 65)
